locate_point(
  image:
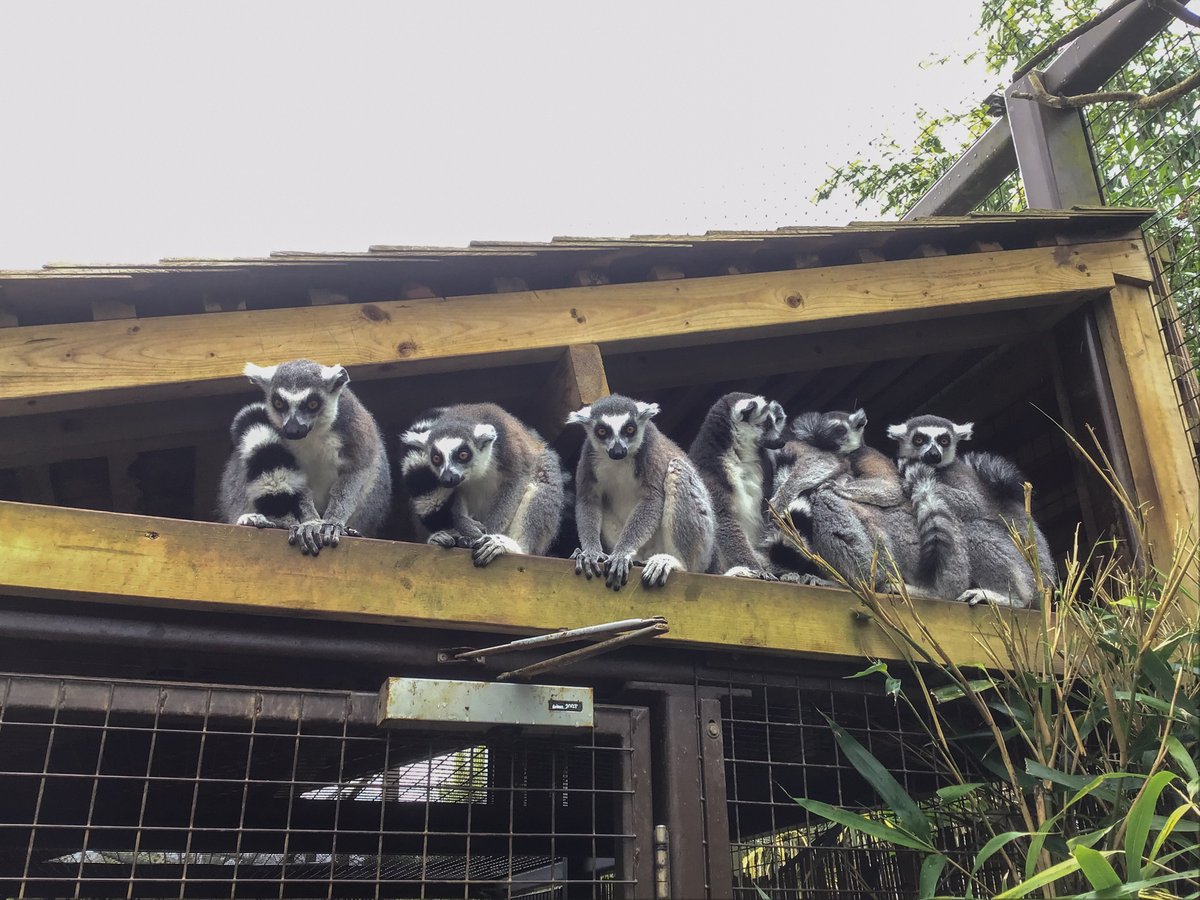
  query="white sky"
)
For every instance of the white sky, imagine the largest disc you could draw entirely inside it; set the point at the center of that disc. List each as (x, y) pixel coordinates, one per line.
(133, 131)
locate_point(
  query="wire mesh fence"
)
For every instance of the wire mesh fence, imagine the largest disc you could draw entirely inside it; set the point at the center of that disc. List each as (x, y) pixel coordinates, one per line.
(1152, 158)
(153, 790)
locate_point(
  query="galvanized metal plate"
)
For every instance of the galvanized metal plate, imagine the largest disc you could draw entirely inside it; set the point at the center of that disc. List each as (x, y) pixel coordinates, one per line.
(438, 702)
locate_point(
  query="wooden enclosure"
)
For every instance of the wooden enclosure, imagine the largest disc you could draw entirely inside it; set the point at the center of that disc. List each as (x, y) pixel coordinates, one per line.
(187, 708)
(117, 384)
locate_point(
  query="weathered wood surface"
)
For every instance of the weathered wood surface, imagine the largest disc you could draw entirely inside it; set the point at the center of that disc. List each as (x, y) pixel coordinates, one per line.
(90, 556)
(70, 366)
(1152, 422)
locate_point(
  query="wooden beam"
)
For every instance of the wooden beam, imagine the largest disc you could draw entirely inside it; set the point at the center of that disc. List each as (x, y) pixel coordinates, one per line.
(69, 366)
(83, 555)
(578, 380)
(1160, 454)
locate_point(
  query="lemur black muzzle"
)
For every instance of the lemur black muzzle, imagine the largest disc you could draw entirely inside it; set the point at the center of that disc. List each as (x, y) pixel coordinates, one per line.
(450, 479)
(294, 431)
(617, 452)
(932, 456)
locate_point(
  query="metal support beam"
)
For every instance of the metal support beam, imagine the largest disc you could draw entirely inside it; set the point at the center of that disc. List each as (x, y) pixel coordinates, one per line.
(1084, 66)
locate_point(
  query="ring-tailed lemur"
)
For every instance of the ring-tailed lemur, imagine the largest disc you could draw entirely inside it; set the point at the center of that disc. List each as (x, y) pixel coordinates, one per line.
(638, 497)
(733, 454)
(847, 500)
(975, 500)
(478, 477)
(310, 458)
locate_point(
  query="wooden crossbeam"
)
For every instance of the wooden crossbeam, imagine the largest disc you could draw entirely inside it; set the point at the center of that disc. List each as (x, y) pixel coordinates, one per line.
(70, 366)
(83, 555)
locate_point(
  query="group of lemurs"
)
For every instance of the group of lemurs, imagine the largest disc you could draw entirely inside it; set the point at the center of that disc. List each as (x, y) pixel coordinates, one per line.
(936, 522)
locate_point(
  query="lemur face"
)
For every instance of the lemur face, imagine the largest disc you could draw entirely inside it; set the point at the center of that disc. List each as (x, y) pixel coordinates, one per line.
(455, 451)
(615, 425)
(301, 395)
(930, 439)
(765, 418)
(838, 432)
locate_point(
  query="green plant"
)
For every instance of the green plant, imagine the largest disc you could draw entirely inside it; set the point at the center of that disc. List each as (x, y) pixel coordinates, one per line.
(1079, 764)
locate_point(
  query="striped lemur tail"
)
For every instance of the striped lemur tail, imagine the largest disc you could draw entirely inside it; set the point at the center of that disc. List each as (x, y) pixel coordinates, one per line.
(274, 480)
(937, 526)
(429, 499)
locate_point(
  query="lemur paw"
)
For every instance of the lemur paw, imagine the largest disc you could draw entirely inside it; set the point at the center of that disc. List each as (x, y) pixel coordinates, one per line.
(488, 547)
(808, 579)
(975, 596)
(447, 539)
(258, 520)
(616, 572)
(591, 565)
(658, 567)
(748, 572)
(315, 534)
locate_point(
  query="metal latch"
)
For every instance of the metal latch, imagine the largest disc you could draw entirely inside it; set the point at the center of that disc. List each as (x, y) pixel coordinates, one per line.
(624, 632)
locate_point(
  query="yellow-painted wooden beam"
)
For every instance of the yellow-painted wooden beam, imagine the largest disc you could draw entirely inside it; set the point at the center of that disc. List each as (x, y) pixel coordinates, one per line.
(97, 556)
(45, 368)
(1152, 424)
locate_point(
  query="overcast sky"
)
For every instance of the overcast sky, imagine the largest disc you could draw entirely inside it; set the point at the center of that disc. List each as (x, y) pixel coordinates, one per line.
(134, 131)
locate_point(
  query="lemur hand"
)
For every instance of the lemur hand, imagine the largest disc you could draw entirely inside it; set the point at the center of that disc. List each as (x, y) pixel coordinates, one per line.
(589, 564)
(617, 571)
(315, 534)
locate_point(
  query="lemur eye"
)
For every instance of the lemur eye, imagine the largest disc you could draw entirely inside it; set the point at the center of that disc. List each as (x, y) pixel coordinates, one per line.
(279, 404)
(944, 441)
(313, 403)
(601, 431)
(629, 430)
(435, 458)
(464, 455)
(918, 440)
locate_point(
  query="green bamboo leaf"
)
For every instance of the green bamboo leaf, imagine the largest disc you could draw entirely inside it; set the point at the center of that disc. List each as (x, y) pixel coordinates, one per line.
(880, 667)
(931, 871)
(1098, 870)
(1159, 705)
(992, 847)
(1138, 823)
(870, 827)
(1041, 879)
(954, 691)
(906, 809)
(763, 895)
(1135, 888)
(1168, 827)
(958, 791)
(1184, 760)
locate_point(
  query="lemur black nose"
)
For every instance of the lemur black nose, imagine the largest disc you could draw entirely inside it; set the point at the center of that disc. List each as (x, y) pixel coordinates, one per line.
(617, 452)
(293, 430)
(932, 456)
(450, 479)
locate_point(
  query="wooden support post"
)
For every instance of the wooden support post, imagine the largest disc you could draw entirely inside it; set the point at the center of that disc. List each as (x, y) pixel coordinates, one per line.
(83, 555)
(411, 290)
(323, 297)
(221, 302)
(103, 310)
(588, 277)
(928, 251)
(1164, 474)
(579, 379)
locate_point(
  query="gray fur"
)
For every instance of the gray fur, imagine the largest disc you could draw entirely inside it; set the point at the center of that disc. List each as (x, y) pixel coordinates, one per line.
(733, 454)
(338, 468)
(638, 498)
(478, 477)
(974, 501)
(848, 499)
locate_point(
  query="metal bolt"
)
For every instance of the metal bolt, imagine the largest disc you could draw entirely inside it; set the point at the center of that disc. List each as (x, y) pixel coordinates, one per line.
(714, 730)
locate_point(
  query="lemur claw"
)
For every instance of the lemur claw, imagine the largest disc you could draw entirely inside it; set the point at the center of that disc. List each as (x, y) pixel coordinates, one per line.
(590, 565)
(617, 571)
(445, 539)
(315, 534)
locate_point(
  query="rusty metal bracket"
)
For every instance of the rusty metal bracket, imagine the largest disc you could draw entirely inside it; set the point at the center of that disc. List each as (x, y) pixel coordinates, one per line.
(623, 632)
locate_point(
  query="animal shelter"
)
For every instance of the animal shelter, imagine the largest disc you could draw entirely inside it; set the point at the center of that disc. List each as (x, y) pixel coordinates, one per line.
(190, 708)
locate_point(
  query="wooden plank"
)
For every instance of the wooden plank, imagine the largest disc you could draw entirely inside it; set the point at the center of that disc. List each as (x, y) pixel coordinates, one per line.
(89, 556)
(51, 367)
(578, 380)
(1160, 454)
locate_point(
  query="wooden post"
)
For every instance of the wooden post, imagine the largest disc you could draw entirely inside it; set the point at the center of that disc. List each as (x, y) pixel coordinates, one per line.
(1164, 473)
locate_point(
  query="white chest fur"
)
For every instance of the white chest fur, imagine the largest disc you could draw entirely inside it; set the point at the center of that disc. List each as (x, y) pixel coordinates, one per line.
(319, 456)
(479, 494)
(620, 491)
(744, 470)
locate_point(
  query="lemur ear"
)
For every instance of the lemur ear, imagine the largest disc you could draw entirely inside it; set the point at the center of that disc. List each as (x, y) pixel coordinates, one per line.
(485, 434)
(415, 439)
(964, 431)
(580, 416)
(335, 378)
(858, 419)
(897, 432)
(259, 375)
(646, 411)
